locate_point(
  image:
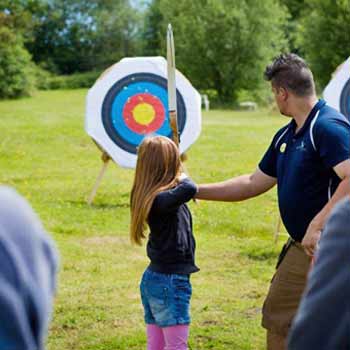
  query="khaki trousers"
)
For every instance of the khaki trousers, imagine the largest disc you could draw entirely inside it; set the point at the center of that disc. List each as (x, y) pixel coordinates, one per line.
(286, 289)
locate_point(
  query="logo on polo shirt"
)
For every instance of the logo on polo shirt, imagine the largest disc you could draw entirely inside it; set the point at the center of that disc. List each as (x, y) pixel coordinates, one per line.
(302, 146)
(283, 147)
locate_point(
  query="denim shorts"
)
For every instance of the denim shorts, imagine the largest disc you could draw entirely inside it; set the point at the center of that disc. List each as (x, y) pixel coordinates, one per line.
(166, 298)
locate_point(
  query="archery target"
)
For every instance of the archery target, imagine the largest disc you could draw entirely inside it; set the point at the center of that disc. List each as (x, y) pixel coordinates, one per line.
(337, 92)
(130, 101)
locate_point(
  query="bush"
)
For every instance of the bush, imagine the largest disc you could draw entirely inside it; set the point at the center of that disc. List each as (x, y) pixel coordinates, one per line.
(42, 78)
(74, 81)
(17, 76)
(261, 95)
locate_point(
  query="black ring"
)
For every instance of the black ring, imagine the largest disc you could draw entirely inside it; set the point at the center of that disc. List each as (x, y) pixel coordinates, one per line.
(345, 100)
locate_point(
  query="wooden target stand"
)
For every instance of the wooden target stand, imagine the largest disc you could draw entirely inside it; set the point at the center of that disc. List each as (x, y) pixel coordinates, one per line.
(105, 159)
(280, 230)
(277, 229)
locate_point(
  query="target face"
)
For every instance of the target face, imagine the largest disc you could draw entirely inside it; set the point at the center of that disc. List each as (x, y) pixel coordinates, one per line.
(345, 100)
(337, 92)
(130, 102)
(137, 106)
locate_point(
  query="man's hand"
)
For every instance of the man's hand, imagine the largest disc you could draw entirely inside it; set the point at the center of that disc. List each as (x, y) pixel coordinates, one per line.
(311, 238)
(313, 232)
(182, 176)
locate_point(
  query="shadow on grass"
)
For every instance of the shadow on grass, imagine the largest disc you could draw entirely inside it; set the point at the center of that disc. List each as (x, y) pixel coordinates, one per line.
(24, 179)
(260, 253)
(132, 341)
(110, 205)
(98, 205)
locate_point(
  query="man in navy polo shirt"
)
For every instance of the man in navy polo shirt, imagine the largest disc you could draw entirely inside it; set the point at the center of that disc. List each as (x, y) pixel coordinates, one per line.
(309, 161)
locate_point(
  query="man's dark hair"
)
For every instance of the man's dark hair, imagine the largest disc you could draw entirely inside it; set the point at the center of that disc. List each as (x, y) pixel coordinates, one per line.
(292, 73)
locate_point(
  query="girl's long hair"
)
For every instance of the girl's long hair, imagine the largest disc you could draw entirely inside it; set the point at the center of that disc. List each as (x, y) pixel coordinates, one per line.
(157, 169)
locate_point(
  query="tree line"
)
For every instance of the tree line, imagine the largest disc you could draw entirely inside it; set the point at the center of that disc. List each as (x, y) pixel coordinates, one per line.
(222, 46)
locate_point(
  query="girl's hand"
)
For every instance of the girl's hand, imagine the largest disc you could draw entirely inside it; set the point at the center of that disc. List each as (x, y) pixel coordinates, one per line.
(182, 176)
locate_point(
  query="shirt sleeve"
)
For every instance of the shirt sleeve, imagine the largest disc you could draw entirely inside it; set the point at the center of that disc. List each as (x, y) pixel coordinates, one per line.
(268, 163)
(332, 141)
(171, 199)
(325, 304)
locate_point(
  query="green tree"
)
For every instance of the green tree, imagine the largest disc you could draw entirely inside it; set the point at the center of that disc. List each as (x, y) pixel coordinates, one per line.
(79, 35)
(325, 35)
(64, 39)
(22, 17)
(223, 44)
(153, 30)
(16, 67)
(117, 31)
(296, 9)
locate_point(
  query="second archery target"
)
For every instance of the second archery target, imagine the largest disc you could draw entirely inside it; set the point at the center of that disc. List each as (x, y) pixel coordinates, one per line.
(337, 92)
(130, 101)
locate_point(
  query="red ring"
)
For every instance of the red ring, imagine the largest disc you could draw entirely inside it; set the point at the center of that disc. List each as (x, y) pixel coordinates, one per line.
(157, 121)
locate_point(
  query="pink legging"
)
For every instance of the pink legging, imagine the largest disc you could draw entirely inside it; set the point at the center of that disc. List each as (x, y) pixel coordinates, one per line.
(167, 338)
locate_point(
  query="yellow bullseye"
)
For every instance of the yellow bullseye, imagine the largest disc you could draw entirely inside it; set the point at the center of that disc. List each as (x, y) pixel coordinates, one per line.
(144, 113)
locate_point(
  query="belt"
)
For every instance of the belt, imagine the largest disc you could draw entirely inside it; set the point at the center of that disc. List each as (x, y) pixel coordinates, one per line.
(285, 248)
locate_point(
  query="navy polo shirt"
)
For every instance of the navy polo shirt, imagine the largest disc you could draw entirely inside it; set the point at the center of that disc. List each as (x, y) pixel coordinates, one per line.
(303, 164)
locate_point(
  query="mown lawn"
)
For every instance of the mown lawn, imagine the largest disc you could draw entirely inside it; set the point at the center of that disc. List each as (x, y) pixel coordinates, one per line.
(46, 155)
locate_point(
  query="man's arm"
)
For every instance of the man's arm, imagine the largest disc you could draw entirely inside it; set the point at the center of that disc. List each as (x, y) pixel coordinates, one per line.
(238, 188)
(316, 225)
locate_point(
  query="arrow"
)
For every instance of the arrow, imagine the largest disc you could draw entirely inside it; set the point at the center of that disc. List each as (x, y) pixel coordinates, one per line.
(172, 85)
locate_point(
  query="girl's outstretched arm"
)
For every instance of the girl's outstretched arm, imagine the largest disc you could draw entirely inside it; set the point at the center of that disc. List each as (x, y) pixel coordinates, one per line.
(171, 199)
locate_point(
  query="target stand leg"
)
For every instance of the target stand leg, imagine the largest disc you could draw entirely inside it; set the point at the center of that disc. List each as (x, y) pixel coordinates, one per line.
(105, 158)
(277, 230)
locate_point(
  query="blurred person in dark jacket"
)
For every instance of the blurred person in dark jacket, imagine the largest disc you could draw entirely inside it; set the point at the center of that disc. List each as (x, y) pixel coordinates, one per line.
(323, 318)
(28, 268)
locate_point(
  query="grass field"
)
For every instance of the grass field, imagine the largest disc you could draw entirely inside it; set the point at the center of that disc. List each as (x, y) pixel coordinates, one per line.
(46, 155)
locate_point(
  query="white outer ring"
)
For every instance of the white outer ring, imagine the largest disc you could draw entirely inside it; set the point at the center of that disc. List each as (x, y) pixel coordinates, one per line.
(333, 90)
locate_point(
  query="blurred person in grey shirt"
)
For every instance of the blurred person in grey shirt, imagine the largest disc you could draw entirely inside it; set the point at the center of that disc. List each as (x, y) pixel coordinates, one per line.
(323, 318)
(28, 268)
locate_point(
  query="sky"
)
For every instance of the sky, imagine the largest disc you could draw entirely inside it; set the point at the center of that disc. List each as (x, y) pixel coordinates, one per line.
(140, 3)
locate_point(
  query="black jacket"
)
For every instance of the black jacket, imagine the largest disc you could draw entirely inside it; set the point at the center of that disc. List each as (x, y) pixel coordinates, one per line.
(171, 245)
